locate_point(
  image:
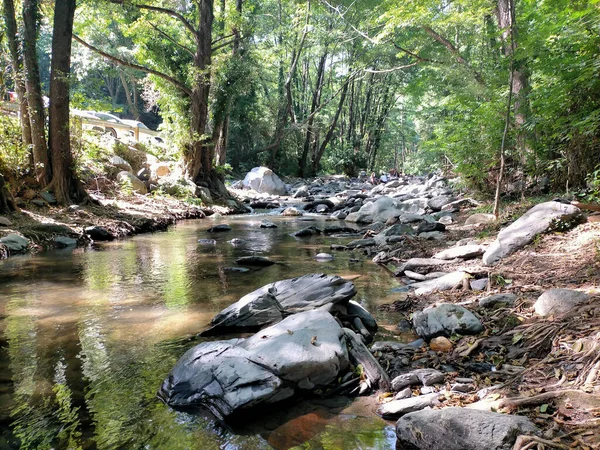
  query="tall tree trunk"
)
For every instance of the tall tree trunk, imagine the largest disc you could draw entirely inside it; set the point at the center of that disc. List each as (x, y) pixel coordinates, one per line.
(34, 92)
(10, 21)
(329, 135)
(66, 187)
(316, 101)
(128, 94)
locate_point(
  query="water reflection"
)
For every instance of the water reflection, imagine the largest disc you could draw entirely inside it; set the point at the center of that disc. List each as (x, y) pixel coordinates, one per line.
(86, 338)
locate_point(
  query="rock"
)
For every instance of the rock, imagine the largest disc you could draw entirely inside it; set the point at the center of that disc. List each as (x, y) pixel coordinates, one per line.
(207, 242)
(267, 224)
(461, 429)
(264, 180)
(404, 380)
(559, 301)
(432, 236)
(236, 269)
(462, 387)
(324, 256)
(64, 241)
(446, 220)
(436, 203)
(361, 243)
(308, 231)
(236, 242)
(301, 192)
(291, 212)
(322, 209)
(120, 163)
(414, 263)
(5, 221)
(272, 302)
(388, 346)
(38, 202)
(443, 283)
(441, 344)
(226, 376)
(15, 242)
(382, 209)
(144, 174)
(254, 261)
(219, 228)
(445, 320)
(398, 408)
(395, 230)
(160, 170)
(48, 197)
(428, 227)
(480, 219)
(98, 233)
(429, 377)
(479, 285)
(537, 220)
(354, 309)
(404, 393)
(203, 193)
(462, 252)
(340, 215)
(137, 185)
(414, 275)
(494, 301)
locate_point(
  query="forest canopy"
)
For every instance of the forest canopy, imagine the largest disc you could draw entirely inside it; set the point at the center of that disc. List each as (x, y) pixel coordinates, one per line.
(317, 86)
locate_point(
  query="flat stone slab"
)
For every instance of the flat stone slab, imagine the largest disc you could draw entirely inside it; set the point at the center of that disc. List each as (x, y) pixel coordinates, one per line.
(443, 283)
(537, 220)
(273, 302)
(461, 429)
(462, 252)
(226, 376)
(254, 261)
(398, 408)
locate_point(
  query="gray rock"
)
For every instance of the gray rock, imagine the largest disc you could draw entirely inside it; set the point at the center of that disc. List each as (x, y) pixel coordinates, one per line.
(389, 346)
(461, 429)
(267, 224)
(64, 241)
(264, 180)
(480, 218)
(120, 163)
(361, 243)
(427, 227)
(446, 220)
(382, 209)
(98, 233)
(462, 252)
(398, 408)
(324, 256)
(219, 228)
(437, 203)
(254, 261)
(395, 230)
(137, 185)
(404, 393)
(273, 302)
(236, 242)
(443, 283)
(291, 212)
(308, 231)
(462, 387)
(415, 275)
(5, 221)
(15, 242)
(38, 202)
(445, 320)
(322, 208)
(354, 309)
(535, 221)
(479, 285)
(301, 192)
(414, 263)
(404, 380)
(340, 215)
(226, 376)
(559, 301)
(204, 194)
(428, 377)
(48, 197)
(432, 236)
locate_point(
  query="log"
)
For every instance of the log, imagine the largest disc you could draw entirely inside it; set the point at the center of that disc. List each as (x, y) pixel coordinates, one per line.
(360, 354)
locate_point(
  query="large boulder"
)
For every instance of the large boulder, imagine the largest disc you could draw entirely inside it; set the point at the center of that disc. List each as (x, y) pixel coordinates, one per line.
(225, 376)
(461, 429)
(445, 319)
(535, 221)
(384, 208)
(264, 180)
(136, 184)
(273, 302)
(15, 242)
(559, 301)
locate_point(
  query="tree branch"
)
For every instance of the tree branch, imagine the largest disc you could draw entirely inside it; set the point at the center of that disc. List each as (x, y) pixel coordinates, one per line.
(178, 84)
(446, 43)
(393, 69)
(169, 38)
(171, 13)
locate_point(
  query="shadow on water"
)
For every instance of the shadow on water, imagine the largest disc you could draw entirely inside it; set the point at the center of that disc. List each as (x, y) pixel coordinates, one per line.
(87, 336)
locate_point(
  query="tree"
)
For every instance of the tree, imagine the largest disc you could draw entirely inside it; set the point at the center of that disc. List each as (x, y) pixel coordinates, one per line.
(65, 185)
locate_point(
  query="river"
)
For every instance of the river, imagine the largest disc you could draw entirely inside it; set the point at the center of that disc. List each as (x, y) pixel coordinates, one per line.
(88, 335)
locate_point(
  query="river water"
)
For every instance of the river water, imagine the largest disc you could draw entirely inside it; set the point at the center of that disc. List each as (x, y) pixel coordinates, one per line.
(88, 335)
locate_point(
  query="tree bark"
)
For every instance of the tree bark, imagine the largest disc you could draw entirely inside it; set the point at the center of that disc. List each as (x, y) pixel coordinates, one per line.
(10, 21)
(66, 187)
(34, 92)
(7, 204)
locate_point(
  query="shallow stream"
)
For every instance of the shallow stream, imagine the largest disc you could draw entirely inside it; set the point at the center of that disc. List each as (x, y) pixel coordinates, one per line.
(88, 335)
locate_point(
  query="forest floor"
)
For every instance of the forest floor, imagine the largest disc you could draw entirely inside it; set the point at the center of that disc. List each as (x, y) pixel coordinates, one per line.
(545, 368)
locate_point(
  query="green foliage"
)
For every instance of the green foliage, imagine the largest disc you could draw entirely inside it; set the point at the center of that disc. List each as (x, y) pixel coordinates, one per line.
(14, 156)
